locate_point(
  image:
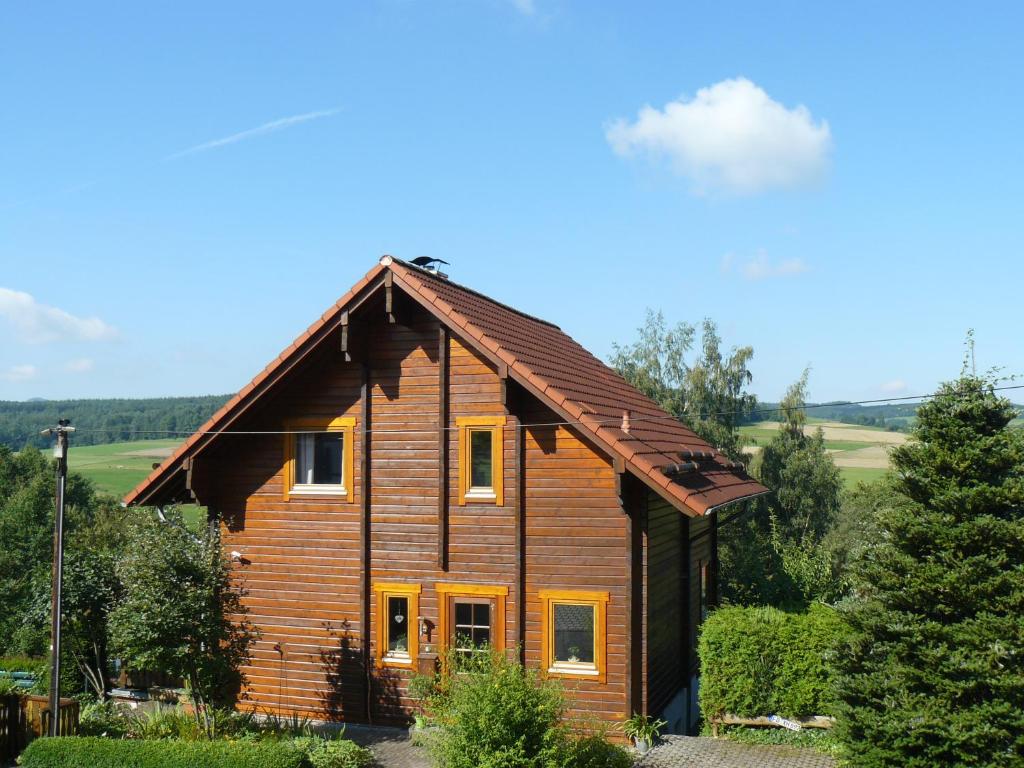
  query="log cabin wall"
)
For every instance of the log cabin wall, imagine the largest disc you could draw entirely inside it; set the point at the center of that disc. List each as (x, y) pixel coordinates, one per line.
(301, 556)
(576, 539)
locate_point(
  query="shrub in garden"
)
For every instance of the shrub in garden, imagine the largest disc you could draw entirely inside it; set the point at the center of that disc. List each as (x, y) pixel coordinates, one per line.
(495, 713)
(92, 752)
(763, 661)
(337, 753)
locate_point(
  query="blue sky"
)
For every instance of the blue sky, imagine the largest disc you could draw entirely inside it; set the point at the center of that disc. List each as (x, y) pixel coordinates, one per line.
(185, 186)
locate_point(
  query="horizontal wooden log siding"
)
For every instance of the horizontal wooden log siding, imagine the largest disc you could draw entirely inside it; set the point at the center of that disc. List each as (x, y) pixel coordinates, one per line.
(301, 568)
(576, 538)
(666, 618)
(301, 556)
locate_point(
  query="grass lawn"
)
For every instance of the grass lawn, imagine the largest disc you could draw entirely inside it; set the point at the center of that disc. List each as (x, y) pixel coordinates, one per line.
(853, 475)
(116, 468)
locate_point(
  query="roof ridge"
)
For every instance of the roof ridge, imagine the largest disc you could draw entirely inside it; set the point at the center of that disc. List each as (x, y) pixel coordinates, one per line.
(467, 289)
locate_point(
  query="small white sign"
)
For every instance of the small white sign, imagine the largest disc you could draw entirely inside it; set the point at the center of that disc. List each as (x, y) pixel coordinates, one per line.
(793, 726)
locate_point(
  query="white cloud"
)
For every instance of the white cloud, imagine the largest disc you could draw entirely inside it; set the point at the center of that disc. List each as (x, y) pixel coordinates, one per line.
(80, 365)
(37, 323)
(732, 136)
(525, 7)
(260, 130)
(894, 387)
(760, 267)
(20, 373)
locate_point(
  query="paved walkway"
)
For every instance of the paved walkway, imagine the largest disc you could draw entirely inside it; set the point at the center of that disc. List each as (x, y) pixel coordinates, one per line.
(391, 747)
(692, 752)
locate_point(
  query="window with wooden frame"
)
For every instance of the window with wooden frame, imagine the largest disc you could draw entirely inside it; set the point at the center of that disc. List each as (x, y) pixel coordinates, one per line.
(573, 633)
(481, 467)
(398, 614)
(318, 457)
(471, 617)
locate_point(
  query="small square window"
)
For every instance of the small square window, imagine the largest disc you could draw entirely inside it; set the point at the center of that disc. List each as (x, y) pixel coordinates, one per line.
(318, 457)
(471, 617)
(574, 633)
(480, 459)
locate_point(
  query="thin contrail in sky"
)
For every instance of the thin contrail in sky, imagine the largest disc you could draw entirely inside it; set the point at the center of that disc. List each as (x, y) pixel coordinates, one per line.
(272, 126)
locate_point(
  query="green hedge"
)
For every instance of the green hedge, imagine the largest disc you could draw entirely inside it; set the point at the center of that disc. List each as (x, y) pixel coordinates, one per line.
(95, 752)
(762, 661)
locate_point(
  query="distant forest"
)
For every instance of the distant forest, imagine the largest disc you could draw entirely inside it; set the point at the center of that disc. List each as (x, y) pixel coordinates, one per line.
(115, 421)
(897, 417)
(105, 421)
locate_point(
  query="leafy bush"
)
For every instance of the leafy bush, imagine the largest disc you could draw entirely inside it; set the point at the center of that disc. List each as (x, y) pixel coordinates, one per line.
(494, 713)
(338, 753)
(35, 667)
(589, 752)
(762, 661)
(107, 718)
(77, 751)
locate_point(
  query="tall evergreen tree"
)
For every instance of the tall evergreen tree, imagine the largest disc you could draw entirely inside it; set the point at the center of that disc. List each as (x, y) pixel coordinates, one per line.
(934, 671)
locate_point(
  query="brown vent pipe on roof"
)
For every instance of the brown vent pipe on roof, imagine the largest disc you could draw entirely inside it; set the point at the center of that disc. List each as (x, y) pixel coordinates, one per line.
(625, 422)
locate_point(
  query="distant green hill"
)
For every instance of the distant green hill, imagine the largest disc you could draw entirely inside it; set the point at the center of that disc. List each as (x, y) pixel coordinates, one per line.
(98, 422)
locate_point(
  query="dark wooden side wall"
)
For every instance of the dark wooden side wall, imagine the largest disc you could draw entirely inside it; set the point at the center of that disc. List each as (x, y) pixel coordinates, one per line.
(667, 617)
(301, 557)
(676, 548)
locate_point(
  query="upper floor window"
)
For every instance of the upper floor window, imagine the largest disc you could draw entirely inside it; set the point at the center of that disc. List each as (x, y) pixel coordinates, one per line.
(481, 476)
(318, 457)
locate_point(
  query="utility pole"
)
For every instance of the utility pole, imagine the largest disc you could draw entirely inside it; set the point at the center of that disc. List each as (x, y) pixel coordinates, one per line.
(60, 452)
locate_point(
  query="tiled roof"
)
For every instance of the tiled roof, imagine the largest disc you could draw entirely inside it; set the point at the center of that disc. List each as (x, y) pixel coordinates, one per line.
(555, 368)
(587, 391)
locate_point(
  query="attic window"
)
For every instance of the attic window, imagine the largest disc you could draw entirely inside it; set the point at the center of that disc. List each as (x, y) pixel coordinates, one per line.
(480, 459)
(318, 457)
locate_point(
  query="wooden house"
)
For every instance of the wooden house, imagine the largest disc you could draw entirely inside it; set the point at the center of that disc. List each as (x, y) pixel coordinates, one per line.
(426, 466)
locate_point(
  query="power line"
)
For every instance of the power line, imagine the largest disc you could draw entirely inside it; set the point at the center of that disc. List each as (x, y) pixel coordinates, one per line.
(590, 422)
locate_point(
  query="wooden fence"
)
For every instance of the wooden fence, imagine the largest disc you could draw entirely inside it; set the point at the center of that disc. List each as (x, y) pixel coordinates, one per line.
(23, 718)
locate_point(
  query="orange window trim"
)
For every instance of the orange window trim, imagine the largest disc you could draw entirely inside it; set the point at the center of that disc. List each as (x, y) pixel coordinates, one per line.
(599, 600)
(395, 589)
(444, 620)
(344, 424)
(467, 425)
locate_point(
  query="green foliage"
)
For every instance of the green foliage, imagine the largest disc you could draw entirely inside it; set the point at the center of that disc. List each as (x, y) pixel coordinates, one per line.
(776, 556)
(94, 752)
(593, 751)
(933, 672)
(762, 661)
(107, 718)
(643, 727)
(104, 421)
(495, 713)
(708, 395)
(820, 739)
(181, 612)
(338, 753)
